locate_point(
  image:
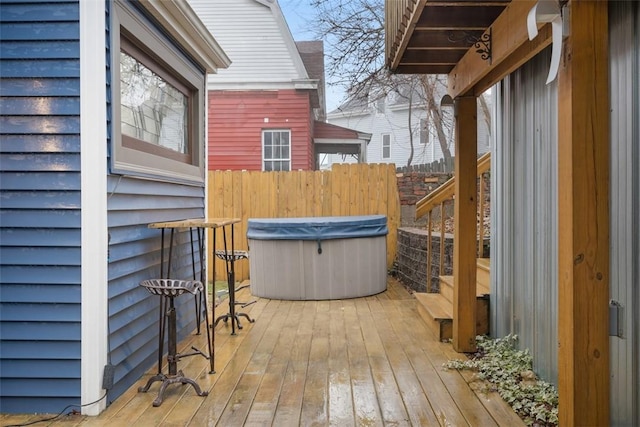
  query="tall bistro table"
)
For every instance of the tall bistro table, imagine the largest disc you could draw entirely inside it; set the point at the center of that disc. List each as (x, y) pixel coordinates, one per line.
(200, 225)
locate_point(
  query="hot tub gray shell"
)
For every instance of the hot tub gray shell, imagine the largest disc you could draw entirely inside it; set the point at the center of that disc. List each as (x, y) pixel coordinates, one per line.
(317, 258)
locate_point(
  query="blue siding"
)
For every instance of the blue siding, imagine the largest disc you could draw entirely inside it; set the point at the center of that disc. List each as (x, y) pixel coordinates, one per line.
(40, 225)
(39, 206)
(134, 255)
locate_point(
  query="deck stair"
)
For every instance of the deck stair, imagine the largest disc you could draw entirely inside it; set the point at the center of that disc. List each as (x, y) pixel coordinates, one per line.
(436, 309)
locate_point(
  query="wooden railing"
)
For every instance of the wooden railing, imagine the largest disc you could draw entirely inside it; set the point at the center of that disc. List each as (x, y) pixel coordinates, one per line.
(397, 16)
(444, 196)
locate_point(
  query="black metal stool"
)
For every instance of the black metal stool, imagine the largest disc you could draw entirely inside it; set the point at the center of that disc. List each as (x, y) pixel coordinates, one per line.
(230, 257)
(169, 289)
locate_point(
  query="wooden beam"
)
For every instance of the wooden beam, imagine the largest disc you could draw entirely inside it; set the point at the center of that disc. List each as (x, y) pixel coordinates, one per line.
(508, 33)
(520, 56)
(464, 237)
(583, 223)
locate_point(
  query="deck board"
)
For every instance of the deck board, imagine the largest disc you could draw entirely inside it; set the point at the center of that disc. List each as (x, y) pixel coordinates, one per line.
(361, 362)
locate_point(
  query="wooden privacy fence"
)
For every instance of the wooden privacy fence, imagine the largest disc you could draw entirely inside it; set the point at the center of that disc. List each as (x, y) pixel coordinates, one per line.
(349, 189)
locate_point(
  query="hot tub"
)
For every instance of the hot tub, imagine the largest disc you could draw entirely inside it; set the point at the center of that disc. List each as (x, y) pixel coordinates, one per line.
(318, 258)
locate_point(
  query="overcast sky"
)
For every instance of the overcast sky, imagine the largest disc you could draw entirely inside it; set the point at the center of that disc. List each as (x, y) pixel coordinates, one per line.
(299, 15)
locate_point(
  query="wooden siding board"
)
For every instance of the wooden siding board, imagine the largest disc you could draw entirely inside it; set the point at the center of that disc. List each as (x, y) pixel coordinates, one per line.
(27, 255)
(40, 87)
(45, 106)
(20, 181)
(45, 68)
(39, 144)
(23, 405)
(38, 331)
(32, 11)
(39, 387)
(54, 369)
(40, 124)
(35, 350)
(38, 274)
(37, 293)
(35, 219)
(14, 312)
(40, 200)
(45, 31)
(237, 119)
(39, 162)
(39, 50)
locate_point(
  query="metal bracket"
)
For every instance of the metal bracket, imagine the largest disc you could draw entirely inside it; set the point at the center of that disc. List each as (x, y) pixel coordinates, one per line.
(483, 46)
(616, 312)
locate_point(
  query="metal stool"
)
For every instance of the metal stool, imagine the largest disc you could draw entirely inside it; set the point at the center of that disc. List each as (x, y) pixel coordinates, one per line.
(169, 289)
(230, 257)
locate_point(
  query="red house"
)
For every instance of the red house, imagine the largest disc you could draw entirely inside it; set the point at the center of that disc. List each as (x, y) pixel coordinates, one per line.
(267, 110)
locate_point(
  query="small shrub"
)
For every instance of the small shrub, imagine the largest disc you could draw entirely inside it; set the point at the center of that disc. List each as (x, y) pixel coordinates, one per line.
(503, 368)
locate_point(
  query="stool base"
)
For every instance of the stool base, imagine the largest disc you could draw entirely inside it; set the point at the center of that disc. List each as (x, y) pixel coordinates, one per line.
(166, 381)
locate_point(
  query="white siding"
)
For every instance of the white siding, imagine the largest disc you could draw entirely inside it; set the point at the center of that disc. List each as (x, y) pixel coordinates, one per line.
(257, 40)
(395, 122)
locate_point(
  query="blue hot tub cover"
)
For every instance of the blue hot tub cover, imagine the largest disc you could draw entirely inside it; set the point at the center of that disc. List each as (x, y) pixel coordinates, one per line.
(317, 228)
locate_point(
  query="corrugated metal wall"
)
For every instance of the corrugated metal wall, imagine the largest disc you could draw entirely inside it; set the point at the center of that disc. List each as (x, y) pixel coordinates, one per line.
(40, 213)
(625, 209)
(524, 215)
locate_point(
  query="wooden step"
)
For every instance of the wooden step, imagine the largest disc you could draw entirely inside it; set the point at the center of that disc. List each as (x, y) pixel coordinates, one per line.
(483, 274)
(446, 288)
(437, 313)
(435, 310)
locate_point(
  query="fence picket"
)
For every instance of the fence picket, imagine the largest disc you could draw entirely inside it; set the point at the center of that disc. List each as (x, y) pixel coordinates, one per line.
(355, 189)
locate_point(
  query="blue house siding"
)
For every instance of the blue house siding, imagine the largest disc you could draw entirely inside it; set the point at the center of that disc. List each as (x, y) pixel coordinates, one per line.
(40, 206)
(134, 255)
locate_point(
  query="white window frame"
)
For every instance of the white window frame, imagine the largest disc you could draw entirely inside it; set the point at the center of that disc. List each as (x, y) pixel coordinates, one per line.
(386, 145)
(276, 159)
(128, 160)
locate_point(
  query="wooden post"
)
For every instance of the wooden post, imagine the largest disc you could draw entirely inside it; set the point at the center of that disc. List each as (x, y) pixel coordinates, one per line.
(583, 212)
(464, 240)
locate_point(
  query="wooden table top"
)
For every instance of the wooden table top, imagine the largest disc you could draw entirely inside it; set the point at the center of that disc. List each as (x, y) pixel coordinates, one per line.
(196, 223)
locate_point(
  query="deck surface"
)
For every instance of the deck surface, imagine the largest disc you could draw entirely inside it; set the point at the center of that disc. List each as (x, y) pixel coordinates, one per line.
(358, 362)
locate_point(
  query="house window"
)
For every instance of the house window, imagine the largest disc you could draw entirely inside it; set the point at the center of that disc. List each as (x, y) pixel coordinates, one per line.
(386, 146)
(158, 106)
(424, 131)
(276, 150)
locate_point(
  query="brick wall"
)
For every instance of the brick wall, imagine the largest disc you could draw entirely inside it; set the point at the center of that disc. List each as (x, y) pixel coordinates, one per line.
(413, 186)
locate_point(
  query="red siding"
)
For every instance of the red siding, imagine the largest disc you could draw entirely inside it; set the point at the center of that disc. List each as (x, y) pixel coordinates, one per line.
(236, 121)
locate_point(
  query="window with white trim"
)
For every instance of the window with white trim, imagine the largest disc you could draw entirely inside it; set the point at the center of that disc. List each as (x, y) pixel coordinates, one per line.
(386, 146)
(276, 150)
(158, 105)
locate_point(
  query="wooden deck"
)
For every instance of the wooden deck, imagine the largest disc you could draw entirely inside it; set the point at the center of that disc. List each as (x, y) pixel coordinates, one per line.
(361, 362)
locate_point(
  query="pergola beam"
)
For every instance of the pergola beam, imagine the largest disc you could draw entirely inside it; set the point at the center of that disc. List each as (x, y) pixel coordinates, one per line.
(508, 33)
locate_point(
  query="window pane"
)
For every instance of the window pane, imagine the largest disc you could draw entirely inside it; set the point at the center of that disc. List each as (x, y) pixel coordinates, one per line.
(152, 109)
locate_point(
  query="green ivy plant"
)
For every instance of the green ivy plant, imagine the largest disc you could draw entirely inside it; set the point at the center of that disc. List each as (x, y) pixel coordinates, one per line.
(499, 366)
